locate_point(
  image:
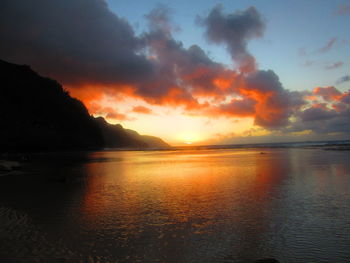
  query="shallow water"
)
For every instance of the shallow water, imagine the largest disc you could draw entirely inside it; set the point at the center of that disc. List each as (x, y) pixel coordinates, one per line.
(183, 206)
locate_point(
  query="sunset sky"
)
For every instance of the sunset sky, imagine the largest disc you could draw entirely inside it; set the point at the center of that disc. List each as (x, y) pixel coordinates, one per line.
(199, 72)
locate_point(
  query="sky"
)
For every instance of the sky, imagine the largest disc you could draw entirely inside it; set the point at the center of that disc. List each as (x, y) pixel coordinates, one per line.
(194, 72)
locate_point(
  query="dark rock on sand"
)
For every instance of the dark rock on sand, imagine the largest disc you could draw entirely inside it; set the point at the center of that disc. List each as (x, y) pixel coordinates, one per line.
(6, 165)
(267, 260)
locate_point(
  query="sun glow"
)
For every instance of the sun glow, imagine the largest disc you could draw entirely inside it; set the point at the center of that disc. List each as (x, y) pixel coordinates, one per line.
(171, 124)
(189, 138)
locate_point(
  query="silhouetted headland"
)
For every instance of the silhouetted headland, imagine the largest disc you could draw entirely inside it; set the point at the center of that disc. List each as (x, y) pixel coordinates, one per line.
(36, 113)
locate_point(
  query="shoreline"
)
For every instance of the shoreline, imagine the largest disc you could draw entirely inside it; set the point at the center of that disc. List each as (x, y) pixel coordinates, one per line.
(22, 241)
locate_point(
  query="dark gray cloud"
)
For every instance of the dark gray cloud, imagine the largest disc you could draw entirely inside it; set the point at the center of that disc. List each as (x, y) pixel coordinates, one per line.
(177, 69)
(317, 114)
(159, 20)
(82, 42)
(235, 30)
(346, 98)
(331, 116)
(343, 79)
(73, 41)
(239, 107)
(324, 122)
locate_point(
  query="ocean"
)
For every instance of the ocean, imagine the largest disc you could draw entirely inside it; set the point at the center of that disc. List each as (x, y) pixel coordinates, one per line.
(194, 204)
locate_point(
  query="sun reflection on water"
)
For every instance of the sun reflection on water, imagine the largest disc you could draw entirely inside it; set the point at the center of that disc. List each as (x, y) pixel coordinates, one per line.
(185, 204)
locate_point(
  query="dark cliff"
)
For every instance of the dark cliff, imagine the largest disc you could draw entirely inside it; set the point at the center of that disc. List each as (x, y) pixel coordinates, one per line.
(36, 113)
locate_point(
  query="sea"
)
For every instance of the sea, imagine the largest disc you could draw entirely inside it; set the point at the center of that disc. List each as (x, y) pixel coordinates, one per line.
(237, 203)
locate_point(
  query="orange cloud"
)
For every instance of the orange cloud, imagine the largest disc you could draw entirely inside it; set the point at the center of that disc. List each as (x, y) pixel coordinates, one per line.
(141, 109)
(117, 116)
(327, 93)
(259, 95)
(88, 94)
(113, 114)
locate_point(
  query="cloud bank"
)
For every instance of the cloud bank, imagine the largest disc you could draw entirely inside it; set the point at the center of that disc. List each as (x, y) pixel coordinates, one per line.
(94, 52)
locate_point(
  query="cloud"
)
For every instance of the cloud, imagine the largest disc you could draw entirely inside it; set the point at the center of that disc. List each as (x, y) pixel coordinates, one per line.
(262, 97)
(328, 46)
(81, 43)
(317, 113)
(112, 114)
(342, 10)
(74, 41)
(159, 19)
(180, 74)
(274, 104)
(327, 93)
(142, 110)
(323, 121)
(343, 79)
(234, 30)
(329, 112)
(345, 97)
(335, 65)
(117, 116)
(244, 107)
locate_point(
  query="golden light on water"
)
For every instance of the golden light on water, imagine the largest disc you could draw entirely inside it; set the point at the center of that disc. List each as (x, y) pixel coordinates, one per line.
(138, 206)
(176, 185)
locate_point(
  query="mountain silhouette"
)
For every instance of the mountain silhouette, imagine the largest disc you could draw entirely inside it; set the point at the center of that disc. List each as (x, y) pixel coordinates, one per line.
(36, 113)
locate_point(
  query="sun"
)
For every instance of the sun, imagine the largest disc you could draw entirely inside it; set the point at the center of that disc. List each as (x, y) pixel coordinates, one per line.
(189, 138)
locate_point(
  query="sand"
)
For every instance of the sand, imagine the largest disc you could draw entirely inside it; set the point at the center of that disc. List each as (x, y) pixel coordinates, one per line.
(22, 241)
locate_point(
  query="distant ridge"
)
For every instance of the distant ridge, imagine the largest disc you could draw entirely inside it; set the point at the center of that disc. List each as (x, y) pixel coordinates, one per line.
(339, 144)
(115, 136)
(36, 113)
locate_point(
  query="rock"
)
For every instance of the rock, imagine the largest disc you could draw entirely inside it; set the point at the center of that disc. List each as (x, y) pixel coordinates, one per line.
(62, 179)
(267, 260)
(9, 165)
